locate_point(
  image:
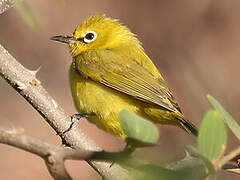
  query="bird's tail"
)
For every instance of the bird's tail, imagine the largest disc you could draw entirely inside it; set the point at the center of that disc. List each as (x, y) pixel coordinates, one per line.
(188, 126)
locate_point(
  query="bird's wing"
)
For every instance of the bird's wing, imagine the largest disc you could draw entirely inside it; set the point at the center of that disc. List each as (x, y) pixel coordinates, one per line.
(132, 79)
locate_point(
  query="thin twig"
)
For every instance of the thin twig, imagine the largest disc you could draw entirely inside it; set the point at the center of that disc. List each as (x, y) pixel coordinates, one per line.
(53, 156)
(53, 159)
(17, 138)
(5, 5)
(228, 157)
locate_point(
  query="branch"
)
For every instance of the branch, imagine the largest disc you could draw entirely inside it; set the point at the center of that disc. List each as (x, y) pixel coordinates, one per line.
(5, 5)
(225, 159)
(25, 83)
(53, 156)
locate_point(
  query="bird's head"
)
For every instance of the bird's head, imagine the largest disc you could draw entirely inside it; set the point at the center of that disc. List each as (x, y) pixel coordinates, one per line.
(99, 32)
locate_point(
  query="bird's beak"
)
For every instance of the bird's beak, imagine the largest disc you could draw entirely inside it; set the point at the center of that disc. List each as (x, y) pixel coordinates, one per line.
(64, 39)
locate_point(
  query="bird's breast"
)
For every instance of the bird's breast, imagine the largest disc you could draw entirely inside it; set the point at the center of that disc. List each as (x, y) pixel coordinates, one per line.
(106, 103)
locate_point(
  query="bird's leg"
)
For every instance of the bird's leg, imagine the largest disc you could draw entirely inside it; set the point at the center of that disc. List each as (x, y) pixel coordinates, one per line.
(75, 120)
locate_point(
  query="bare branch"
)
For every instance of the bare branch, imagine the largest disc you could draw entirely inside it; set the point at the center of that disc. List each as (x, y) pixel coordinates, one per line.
(228, 157)
(56, 168)
(5, 5)
(52, 155)
(18, 139)
(25, 83)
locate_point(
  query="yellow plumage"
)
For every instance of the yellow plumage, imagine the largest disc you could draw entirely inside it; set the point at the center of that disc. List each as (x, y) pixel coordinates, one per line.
(111, 72)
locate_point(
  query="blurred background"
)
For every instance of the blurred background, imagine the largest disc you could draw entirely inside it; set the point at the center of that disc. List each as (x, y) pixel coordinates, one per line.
(196, 46)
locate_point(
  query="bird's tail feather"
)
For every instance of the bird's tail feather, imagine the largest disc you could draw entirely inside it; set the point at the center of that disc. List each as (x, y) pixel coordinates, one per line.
(188, 126)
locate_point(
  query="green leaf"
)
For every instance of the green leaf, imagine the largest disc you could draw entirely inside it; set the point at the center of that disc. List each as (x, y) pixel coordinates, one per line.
(209, 165)
(231, 122)
(140, 170)
(27, 14)
(139, 131)
(186, 169)
(212, 136)
(153, 172)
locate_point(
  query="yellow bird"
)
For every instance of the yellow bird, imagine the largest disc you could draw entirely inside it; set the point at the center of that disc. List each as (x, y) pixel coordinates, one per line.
(111, 72)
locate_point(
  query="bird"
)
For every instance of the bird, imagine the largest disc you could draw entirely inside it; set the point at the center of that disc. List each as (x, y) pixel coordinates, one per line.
(110, 72)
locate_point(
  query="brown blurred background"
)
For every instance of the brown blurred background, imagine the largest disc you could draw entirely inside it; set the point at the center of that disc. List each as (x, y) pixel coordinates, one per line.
(196, 46)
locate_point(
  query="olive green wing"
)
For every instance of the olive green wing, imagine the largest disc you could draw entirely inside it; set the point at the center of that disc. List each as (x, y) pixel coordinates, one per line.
(132, 79)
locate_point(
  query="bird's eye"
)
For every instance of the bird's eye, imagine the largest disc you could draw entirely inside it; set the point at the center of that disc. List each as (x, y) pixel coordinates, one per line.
(89, 36)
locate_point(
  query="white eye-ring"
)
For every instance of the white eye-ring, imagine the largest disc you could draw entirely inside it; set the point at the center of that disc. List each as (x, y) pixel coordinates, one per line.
(89, 36)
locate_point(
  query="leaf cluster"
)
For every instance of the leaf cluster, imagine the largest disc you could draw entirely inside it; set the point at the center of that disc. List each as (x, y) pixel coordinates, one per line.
(204, 160)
